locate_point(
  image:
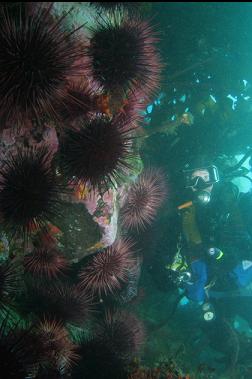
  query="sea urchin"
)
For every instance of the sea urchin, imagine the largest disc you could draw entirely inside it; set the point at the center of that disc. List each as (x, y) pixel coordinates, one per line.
(62, 302)
(98, 152)
(18, 356)
(123, 55)
(58, 350)
(29, 191)
(37, 55)
(143, 199)
(122, 332)
(8, 284)
(109, 268)
(45, 262)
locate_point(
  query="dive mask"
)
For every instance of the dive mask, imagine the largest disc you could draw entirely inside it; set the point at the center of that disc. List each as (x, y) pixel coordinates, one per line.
(201, 178)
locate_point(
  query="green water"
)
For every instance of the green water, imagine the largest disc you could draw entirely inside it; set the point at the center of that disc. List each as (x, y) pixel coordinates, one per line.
(207, 52)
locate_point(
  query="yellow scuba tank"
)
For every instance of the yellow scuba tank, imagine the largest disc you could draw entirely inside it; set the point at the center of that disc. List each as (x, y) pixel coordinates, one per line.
(189, 225)
(191, 234)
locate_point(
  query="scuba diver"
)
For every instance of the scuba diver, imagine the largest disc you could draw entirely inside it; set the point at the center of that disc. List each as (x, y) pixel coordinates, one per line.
(204, 279)
(191, 273)
(213, 215)
(209, 219)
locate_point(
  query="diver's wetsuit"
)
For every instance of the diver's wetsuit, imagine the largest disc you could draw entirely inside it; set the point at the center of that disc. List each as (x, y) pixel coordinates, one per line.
(209, 225)
(221, 222)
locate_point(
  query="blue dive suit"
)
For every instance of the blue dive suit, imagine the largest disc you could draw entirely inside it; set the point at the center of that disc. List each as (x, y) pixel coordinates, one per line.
(242, 274)
(195, 289)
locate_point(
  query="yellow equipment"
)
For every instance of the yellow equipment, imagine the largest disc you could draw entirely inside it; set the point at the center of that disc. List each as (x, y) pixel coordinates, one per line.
(179, 263)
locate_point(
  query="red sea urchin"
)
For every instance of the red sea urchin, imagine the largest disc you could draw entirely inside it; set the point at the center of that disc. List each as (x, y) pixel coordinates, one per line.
(62, 302)
(111, 7)
(98, 360)
(45, 262)
(18, 356)
(143, 199)
(80, 102)
(98, 152)
(130, 108)
(37, 55)
(48, 372)
(109, 268)
(57, 349)
(122, 332)
(123, 56)
(8, 284)
(29, 191)
(109, 351)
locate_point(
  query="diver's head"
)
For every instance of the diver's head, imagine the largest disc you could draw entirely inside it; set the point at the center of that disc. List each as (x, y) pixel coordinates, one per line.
(199, 179)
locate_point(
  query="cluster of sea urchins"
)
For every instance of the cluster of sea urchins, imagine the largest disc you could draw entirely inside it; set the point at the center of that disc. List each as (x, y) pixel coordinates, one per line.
(90, 87)
(108, 353)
